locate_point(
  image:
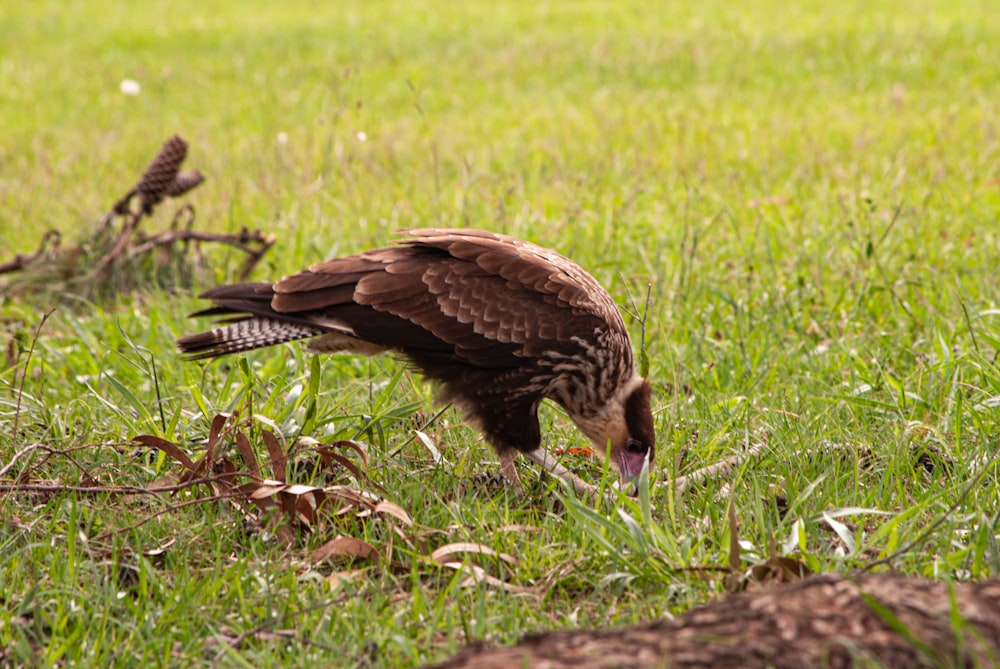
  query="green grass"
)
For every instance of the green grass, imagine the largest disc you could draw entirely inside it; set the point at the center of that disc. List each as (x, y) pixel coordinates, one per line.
(810, 193)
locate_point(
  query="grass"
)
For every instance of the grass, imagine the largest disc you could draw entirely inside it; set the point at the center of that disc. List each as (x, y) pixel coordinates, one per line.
(810, 195)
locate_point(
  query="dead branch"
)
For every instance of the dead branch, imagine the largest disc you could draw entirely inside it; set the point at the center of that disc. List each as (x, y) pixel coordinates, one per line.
(117, 254)
(22, 260)
(254, 243)
(107, 534)
(680, 484)
(116, 490)
(17, 456)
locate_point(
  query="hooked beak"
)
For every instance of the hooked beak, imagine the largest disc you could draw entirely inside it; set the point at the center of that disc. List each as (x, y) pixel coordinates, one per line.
(631, 466)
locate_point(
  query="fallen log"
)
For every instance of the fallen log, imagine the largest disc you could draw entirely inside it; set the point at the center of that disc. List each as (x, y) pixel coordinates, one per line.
(829, 620)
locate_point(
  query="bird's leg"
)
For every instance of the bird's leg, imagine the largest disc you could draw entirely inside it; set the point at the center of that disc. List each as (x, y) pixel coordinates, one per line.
(542, 457)
(508, 469)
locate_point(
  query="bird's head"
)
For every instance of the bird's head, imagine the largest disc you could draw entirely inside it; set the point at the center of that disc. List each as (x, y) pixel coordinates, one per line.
(639, 440)
(625, 429)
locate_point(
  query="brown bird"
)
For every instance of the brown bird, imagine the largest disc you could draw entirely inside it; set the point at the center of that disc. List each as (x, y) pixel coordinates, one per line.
(499, 323)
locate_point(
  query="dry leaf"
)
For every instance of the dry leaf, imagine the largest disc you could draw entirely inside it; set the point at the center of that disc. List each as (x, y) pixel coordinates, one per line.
(246, 452)
(214, 432)
(356, 446)
(261, 418)
(518, 528)
(429, 445)
(160, 550)
(304, 506)
(338, 578)
(167, 447)
(267, 489)
(448, 550)
(327, 454)
(353, 496)
(300, 489)
(279, 459)
(394, 510)
(344, 546)
(478, 575)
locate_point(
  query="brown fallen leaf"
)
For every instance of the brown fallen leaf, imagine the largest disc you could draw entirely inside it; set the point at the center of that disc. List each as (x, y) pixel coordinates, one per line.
(442, 554)
(168, 447)
(478, 576)
(345, 547)
(394, 510)
(339, 578)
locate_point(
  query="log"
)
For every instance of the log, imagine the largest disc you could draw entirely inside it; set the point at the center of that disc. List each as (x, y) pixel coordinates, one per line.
(829, 620)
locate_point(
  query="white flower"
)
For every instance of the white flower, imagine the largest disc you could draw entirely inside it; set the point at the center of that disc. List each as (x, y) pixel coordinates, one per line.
(130, 87)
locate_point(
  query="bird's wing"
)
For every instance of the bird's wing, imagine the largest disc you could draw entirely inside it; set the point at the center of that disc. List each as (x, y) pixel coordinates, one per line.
(524, 264)
(480, 298)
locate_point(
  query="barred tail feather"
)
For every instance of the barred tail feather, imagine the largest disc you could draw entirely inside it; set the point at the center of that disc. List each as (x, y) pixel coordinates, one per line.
(243, 335)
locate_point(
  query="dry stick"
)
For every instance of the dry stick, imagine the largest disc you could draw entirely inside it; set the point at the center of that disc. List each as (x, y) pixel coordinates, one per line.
(229, 494)
(173, 507)
(186, 209)
(682, 483)
(255, 257)
(18, 455)
(128, 227)
(172, 236)
(116, 490)
(254, 244)
(22, 260)
(56, 451)
(241, 241)
(549, 463)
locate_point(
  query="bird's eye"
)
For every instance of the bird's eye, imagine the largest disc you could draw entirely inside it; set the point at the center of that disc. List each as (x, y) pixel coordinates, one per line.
(634, 446)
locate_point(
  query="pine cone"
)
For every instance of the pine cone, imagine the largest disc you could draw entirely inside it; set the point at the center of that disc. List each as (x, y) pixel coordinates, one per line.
(184, 182)
(161, 173)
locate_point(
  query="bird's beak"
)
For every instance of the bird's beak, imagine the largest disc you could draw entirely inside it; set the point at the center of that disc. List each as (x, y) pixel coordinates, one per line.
(631, 466)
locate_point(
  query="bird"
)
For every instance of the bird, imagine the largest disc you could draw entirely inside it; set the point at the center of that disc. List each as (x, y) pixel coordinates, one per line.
(499, 324)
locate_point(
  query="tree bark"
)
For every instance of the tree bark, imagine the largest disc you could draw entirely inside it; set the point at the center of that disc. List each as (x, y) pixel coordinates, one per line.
(829, 620)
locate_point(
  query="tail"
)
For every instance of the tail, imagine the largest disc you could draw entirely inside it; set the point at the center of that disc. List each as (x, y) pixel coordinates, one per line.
(250, 323)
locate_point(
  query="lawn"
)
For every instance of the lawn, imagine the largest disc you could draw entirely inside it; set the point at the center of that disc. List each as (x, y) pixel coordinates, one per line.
(808, 195)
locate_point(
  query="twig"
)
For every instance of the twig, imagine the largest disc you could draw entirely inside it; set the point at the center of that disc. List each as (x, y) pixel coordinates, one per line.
(243, 240)
(105, 262)
(53, 451)
(173, 507)
(116, 490)
(682, 483)
(18, 456)
(22, 260)
(186, 210)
